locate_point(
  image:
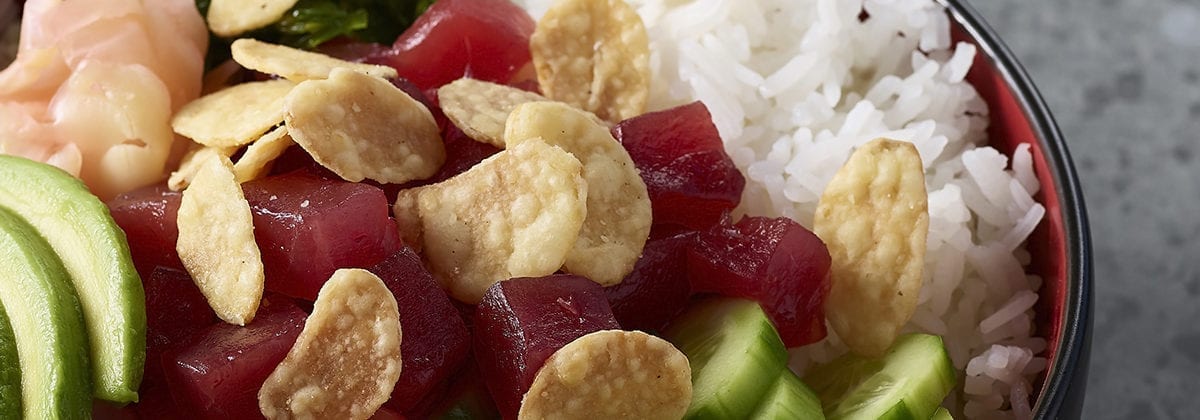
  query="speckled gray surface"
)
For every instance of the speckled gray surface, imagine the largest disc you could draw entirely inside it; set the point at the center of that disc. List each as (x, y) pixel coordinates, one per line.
(1123, 79)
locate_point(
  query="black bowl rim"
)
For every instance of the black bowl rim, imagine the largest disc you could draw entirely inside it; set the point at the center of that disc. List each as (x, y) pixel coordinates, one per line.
(1062, 394)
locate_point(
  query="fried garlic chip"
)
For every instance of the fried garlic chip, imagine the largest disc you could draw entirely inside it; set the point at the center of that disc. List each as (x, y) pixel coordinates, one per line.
(593, 54)
(254, 163)
(611, 374)
(874, 218)
(235, 115)
(216, 242)
(346, 361)
(228, 18)
(190, 164)
(516, 214)
(618, 206)
(296, 65)
(480, 108)
(362, 127)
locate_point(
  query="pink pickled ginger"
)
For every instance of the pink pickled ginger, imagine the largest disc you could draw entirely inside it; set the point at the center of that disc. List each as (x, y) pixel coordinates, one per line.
(94, 86)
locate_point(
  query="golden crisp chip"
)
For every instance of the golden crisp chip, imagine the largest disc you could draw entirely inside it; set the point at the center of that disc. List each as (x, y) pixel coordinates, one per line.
(220, 77)
(618, 206)
(480, 108)
(233, 116)
(216, 242)
(296, 65)
(190, 164)
(228, 18)
(254, 163)
(346, 361)
(612, 375)
(873, 217)
(516, 214)
(593, 54)
(361, 127)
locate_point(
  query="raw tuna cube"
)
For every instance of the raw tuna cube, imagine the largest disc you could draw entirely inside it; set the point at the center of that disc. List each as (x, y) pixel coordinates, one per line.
(657, 289)
(690, 178)
(482, 39)
(521, 322)
(176, 312)
(147, 216)
(307, 227)
(776, 262)
(435, 342)
(218, 375)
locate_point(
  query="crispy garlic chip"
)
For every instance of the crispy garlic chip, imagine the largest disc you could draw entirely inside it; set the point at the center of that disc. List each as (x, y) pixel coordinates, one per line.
(255, 162)
(233, 116)
(346, 361)
(516, 214)
(191, 162)
(216, 242)
(611, 374)
(593, 54)
(296, 65)
(618, 206)
(480, 108)
(362, 127)
(874, 218)
(228, 18)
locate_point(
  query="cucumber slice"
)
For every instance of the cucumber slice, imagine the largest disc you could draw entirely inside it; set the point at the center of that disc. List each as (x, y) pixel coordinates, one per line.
(47, 324)
(908, 382)
(10, 370)
(789, 399)
(732, 348)
(942, 414)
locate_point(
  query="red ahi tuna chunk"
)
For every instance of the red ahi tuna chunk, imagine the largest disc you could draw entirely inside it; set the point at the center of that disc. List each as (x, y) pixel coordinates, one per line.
(147, 216)
(776, 262)
(435, 341)
(690, 178)
(482, 39)
(218, 375)
(176, 312)
(521, 322)
(657, 289)
(308, 226)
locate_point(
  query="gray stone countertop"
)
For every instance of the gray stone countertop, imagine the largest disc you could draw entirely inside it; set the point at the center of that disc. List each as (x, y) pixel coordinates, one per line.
(1123, 79)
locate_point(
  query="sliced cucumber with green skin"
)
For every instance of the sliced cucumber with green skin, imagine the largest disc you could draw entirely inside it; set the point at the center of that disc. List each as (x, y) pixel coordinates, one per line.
(908, 382)
(734, 352)
(789, 399)
(92, 248)
(47, 324)
(941, 414)
(10, 371)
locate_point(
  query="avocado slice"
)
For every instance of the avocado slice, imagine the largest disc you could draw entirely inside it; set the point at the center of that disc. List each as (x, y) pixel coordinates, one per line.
(47, 324)
(10, 371)
(92, 248)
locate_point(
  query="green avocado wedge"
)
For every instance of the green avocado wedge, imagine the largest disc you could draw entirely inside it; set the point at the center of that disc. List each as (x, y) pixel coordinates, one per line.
(47, 324)
(10, 371)
(92, 248)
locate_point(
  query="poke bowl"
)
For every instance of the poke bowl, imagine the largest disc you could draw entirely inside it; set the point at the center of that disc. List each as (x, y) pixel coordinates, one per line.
(711, 208)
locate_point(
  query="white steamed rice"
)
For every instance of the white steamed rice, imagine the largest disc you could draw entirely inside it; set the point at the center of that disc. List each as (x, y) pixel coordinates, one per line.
(795, 85)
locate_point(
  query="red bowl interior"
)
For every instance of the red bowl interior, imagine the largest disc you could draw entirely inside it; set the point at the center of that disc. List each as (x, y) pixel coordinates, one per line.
(1010, 127)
